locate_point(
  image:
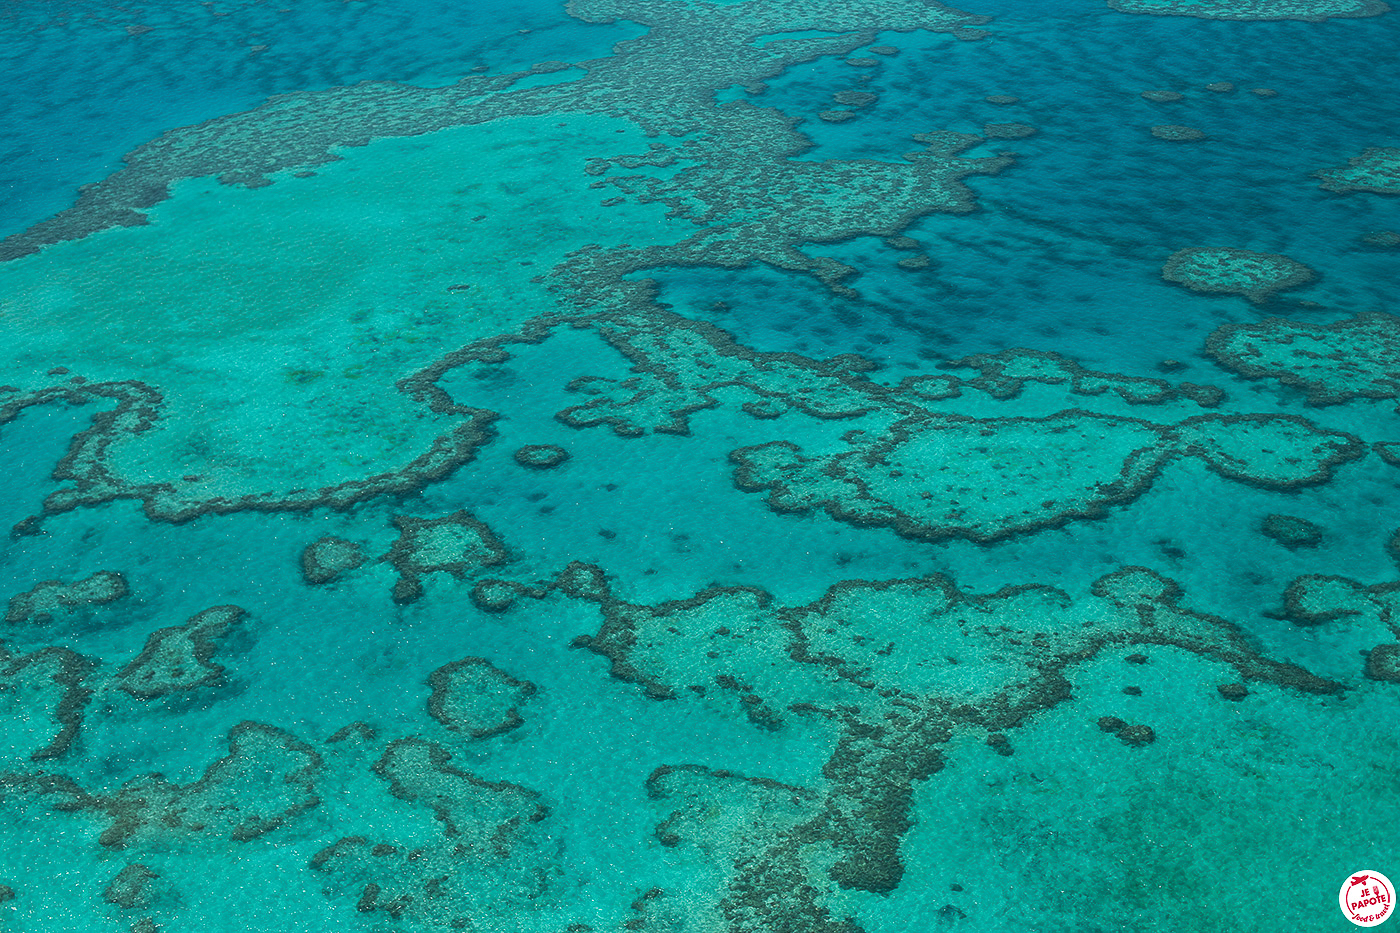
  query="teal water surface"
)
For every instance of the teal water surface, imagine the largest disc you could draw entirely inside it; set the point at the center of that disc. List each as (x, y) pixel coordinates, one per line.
(656, 465)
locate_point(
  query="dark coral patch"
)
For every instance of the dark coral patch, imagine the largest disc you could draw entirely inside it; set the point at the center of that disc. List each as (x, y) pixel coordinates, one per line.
(477, 699)
(1133, 735)
(1292, 531)
(327, 558)
(541, 456)
(1230, 271)
(1008, 130)
(456, 544)
(1177, 134)
(177, 658)
(1315, 599)
(1234, 692)
(1383, 663)
(131, 888)
(51, 597)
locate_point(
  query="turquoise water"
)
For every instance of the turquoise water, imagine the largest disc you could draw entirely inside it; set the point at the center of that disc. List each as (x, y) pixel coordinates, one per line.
(650, 465)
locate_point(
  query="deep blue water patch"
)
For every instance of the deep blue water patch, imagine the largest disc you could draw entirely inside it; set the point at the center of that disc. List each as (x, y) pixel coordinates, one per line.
(81, 83)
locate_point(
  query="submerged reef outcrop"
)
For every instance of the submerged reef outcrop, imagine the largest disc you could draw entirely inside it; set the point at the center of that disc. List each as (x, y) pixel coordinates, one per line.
(1008, 130)
(1355, 358)
(1291, 531)
(474, 697)
(489, 855)
(54, 597)
(541, 456)
(456, 544)
(1256, 276)
(1310, 10)
(1176, 133)
(131, 888)
(326, 558)
(1382, 239)
(1383, 663)
(894, 669)
(177, 658)
(938, 476)
(1377, 170)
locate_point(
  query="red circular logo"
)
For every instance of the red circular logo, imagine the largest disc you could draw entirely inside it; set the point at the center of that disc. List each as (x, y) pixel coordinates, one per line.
(1367, 898)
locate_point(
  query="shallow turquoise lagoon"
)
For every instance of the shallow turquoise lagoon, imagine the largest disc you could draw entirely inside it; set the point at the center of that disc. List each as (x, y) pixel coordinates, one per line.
(780, 466)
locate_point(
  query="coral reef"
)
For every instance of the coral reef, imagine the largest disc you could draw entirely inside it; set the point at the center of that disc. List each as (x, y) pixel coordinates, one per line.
(541, 456)
(1291, 531)
(42, 700)
(177, 658)
(1383, 663)
(728, 184)
(477, 699)
(1381, 239)
(1316, 599)
(266, 780)
(1177, 134)
(681, 364)
(1008, 130)
(131, 888)
(1376, 170)
(1256, 276)
(327, 558)
(90, 464)
(1132, 735)
(1333, 363)
(52, 597)
(938, 476)
(1309, 10)
(660, 77)
(855, 98)
(864, 694)
(895, 667)
(456, 544)
(490, 854)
